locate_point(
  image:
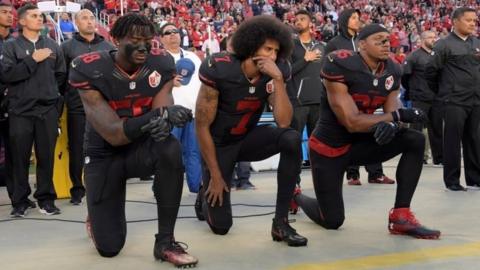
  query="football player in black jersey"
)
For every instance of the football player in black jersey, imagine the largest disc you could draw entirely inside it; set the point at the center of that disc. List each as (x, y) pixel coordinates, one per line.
(348, 133)
(128, 104)
(235, 89)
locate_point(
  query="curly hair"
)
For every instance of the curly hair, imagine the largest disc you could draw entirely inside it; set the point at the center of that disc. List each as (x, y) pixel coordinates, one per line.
(253, 33)
(132, 23)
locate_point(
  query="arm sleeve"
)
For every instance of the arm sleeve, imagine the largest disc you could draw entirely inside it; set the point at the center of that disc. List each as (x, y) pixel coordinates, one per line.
(13, 69)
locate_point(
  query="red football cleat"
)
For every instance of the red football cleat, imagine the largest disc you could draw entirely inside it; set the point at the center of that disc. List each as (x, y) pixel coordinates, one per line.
(402, 221)
(354, 182)
(174, 253)
(382, 180)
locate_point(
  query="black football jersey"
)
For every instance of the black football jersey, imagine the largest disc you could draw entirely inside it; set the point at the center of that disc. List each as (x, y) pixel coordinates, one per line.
(369, 91)
(128, 95)
(240, 102)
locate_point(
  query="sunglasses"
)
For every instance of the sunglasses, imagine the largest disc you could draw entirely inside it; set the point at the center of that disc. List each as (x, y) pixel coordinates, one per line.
(169, 32)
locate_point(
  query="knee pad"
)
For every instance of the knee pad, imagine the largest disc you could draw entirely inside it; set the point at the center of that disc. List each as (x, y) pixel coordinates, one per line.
(107, 254)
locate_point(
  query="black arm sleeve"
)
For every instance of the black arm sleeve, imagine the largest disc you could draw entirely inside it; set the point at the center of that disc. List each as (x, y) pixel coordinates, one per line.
(133, 126)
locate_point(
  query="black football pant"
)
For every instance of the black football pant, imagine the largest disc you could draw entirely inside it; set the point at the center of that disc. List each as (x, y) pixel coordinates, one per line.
(305, 116)
(4, 140)
(327, 172)
(40, 131)
(260, 143)
(462, 126)
(76, 131)
(105, 179)
(434, 128)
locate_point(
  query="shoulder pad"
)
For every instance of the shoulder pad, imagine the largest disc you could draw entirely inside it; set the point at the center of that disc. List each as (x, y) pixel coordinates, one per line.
(220, 58)
(93, 65)
(346, 59)
(394, 68)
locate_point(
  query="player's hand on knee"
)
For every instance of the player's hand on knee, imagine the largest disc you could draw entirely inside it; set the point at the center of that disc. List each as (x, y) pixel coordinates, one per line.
(409, 115)
(158, 128)
(214, 192)
(177, 115)
(384, 132)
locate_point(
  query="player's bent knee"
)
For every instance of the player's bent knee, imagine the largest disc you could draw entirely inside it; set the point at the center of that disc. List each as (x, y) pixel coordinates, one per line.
(219, 231)
(333, 224)
(414, 139)
(172, 149)
(290, 140)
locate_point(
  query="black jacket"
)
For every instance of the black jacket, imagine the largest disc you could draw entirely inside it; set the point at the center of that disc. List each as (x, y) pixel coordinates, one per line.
(413, 79)
(33, 88)
(343, 40)
(305, 86)
(454, 70)
(3, 86)
(75, 47)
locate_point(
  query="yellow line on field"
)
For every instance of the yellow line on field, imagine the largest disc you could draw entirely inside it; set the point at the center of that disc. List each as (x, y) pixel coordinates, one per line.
(395, 259)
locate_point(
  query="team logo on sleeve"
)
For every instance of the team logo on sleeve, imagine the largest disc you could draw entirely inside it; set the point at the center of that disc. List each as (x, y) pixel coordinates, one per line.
(154, 79)
(269, 87)
(389, 82)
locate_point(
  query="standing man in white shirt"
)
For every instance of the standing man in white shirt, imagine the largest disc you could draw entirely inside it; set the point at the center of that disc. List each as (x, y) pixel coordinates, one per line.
(185, 91)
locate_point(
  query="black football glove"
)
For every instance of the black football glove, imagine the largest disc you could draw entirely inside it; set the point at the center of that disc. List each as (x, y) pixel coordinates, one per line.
(177, 115)
(410, 115)
(158, 128)
(384, 132)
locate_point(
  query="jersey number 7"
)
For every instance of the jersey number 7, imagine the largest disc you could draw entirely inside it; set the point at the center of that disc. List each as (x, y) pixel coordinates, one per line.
(252, 106)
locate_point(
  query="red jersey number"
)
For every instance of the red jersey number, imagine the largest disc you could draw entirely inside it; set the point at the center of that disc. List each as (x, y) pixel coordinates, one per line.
(367, 104)
(252, 106)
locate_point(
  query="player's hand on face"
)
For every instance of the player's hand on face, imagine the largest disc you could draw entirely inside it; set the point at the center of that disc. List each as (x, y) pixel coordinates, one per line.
(214, 193)
(268, 66)
(176, 81)
(158, 128)
(41, 54)
(178, 115)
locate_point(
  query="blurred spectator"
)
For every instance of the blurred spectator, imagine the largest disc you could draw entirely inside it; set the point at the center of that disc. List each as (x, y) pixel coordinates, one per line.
(185, 92)
(66, 25)
(454, 73)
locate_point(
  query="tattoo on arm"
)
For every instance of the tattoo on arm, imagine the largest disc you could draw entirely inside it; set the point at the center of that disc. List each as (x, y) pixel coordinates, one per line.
(206, 107)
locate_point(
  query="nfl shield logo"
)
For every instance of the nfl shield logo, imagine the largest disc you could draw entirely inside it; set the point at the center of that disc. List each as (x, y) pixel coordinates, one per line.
(154, 79)
(251, 90)
(389, 82)
(269, 87)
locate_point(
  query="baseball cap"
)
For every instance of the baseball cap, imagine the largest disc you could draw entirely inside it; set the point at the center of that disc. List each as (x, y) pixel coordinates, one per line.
(185, 68)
